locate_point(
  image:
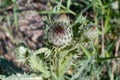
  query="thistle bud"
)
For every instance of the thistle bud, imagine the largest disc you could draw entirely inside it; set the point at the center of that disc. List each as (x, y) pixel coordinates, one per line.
(60, 33)
(91, 31)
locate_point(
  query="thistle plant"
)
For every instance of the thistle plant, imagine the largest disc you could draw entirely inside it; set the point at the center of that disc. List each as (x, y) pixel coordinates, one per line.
(60, 34)
(56, 62)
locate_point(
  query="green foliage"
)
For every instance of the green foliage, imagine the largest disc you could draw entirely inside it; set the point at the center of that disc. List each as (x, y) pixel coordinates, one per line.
(5, 3)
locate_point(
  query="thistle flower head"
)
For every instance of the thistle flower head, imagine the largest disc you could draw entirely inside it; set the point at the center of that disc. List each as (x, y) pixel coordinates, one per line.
(60, 32)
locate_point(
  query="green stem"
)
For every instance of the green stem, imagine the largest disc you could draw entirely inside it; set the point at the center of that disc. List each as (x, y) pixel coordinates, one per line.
(57, 62)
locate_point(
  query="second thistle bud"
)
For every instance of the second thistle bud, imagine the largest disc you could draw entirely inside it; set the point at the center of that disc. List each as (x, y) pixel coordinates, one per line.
(92, 31)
